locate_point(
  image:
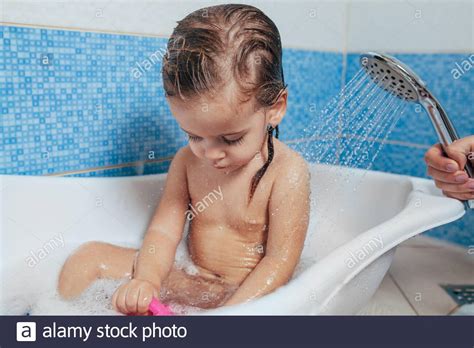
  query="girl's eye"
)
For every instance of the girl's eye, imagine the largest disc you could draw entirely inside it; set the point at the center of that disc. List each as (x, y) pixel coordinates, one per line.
(235, 141)
(194, 138)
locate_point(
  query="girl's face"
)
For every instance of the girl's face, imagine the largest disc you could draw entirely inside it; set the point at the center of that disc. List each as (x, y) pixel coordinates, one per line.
(223, 138)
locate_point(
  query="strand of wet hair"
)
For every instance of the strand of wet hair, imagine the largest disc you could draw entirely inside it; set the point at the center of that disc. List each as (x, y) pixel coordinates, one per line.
(256, 178)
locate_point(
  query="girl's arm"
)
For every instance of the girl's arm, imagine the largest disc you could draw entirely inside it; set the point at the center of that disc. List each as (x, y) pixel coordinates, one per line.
(288, 222)
(165, 230)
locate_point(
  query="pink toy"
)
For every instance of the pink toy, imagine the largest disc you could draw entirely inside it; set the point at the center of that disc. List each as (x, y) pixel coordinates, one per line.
(158, 308)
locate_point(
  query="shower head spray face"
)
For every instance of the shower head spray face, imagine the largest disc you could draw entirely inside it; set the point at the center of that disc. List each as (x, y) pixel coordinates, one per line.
(393, 76)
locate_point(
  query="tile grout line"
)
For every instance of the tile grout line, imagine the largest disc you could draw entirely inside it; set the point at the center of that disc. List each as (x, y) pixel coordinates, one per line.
(158, 35)
(452, 310)
(432, 244)
(419, 246)
(110, 167)
(166, 36)
(294, 141)
(403, 293)
(386, 141)
(80, 29)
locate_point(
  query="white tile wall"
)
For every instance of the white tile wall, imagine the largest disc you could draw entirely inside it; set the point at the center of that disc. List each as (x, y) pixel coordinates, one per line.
(342, 25)
(411, 26)
(303, 24)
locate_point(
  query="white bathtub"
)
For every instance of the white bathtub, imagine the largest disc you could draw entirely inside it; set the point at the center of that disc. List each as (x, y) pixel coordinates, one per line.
(357, 220)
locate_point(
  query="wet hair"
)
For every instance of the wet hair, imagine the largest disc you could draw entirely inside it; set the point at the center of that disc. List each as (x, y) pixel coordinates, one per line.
(217, 44)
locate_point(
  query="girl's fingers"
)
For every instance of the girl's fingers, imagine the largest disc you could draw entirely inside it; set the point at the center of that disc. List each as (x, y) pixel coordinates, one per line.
(144, 300)
(458, 177)
(114, 300)
(121, 297)
(131, 299)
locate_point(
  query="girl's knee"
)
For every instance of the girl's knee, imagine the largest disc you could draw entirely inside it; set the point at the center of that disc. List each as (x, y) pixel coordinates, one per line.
(91, 248)
(80, 269)
(86, 256)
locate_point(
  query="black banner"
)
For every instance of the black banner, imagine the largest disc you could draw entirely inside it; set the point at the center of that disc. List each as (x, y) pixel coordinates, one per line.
(238, 331)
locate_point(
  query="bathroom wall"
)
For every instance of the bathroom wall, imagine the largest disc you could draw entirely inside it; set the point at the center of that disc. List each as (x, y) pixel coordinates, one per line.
(81, 94)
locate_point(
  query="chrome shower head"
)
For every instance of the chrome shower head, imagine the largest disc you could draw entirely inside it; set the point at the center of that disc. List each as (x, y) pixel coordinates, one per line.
(393, 76)
(396, 78)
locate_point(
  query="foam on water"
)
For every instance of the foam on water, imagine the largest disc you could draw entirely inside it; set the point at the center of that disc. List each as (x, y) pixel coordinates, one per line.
(33, 290)
(95, 300)
(36, 293)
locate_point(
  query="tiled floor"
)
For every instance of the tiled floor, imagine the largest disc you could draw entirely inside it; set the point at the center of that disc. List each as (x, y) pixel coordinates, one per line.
(412, 284)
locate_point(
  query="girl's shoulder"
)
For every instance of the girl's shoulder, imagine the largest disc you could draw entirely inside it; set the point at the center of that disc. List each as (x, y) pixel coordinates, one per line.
(291, 185)
(289, 164)
(184, 155)
(286, 156)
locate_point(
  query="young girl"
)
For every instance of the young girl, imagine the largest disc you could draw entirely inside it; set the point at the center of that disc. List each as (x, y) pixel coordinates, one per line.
(223, 78)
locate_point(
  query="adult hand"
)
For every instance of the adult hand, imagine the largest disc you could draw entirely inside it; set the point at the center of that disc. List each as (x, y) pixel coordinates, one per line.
(448, 173)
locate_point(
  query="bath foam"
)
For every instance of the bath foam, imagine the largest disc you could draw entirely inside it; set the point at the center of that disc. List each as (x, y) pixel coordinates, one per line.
(95, 300)
(35, 292)
(24, 286)
(43, 299)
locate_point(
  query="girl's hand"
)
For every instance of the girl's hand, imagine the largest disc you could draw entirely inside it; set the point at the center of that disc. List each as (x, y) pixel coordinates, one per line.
(448, 172)
(134, 297)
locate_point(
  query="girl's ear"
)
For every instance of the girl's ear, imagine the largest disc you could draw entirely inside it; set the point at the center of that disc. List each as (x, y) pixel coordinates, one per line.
(278, 109)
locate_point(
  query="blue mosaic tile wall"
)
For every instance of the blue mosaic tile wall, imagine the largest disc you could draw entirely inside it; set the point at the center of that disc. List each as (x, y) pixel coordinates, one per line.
(71, 100)
(78, 100)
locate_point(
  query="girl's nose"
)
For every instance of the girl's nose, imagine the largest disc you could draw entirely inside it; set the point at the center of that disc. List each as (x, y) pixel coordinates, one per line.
(213, 153)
